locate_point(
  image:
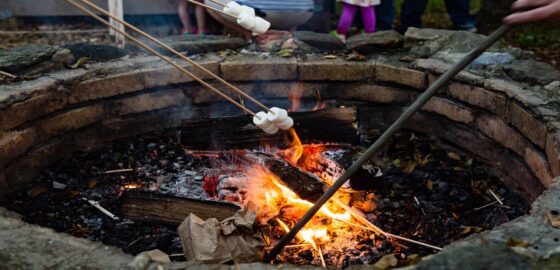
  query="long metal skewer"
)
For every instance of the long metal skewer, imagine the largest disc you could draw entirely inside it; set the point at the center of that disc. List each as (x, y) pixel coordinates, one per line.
(175, 52)
(397, 125)
(164, 58)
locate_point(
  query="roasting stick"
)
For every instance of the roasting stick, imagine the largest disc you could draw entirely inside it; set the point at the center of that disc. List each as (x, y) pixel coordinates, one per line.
(386, 136)
(218, 3)
(212, 8)
(176, 53)
(164, 58)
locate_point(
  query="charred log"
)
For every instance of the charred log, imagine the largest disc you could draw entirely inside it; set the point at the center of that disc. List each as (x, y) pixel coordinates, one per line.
(161, 208)
(337, 125)
(305, 185)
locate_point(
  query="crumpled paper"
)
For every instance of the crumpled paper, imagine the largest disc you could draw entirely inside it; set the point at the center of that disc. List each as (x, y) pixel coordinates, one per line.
(217, 242)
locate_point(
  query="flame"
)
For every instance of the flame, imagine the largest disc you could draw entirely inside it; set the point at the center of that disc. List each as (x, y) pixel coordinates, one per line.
(295, 97)
(132, 186)
(295, 152)
(320, 103)
(311, 235)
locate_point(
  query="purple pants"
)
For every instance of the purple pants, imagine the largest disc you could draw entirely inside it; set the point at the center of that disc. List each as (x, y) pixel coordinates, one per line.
(347, 16)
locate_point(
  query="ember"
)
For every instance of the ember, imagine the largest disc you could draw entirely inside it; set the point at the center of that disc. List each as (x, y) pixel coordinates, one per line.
(436, 202)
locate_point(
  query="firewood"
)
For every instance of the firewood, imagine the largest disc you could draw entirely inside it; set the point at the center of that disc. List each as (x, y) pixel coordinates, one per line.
(162, 208)
(305, 185)
(239, 132)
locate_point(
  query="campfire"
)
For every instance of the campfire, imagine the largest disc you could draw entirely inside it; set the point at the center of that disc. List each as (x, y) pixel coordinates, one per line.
(409, 201)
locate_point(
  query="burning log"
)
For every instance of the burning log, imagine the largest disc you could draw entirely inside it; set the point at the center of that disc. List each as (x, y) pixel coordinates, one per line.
(162, 208)
(305, 185)
(236, 133)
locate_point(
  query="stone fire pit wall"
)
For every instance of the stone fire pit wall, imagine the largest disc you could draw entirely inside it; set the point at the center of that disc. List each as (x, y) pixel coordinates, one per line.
(510, 124)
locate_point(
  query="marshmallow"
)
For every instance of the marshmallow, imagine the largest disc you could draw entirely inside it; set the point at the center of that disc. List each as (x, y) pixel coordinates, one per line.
(271, 130)
(261, 26)
(261, 121)
(248, 10)
(233, 8)
(246, 21)
(277, 115)
(287, 124)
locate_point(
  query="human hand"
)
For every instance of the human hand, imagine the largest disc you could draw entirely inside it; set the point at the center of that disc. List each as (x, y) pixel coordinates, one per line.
(533, 10)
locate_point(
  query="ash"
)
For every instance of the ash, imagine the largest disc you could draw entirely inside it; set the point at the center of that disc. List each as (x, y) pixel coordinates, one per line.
(449, 188)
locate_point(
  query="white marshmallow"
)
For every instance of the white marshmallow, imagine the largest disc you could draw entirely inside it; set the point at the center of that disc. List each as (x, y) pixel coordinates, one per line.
(261, 120)
(246, 21)
(277, 115)
(287, 124)
(248, 10)
(271, 130)
(233, 8)
(261, 26)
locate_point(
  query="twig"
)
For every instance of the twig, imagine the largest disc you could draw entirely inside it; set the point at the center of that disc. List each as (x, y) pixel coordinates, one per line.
(421, 208)
(118, 171)
(485, 206)
(321, 256)
(103, 210)
(4, 73)
(291, 246)
(496, 197)
(358, 216)
(376, 229)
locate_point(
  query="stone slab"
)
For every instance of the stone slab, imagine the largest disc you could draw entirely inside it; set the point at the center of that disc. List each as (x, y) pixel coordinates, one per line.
(336, 70)
(387, 72)
(532, 128)
(73, 119)
(249, 68)
(480, 97)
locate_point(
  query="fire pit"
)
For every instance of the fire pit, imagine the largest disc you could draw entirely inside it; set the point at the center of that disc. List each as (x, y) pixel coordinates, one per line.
(483, 142)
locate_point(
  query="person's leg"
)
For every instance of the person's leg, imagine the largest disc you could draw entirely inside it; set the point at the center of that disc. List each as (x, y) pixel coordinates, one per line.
(385, 15)
(346, 18)
(368, 17)
(200, 14)
(184, 16)
(460, 13)
(411, 14)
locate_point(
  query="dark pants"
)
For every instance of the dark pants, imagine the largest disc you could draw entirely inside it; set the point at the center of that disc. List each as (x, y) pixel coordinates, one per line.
(412, 11)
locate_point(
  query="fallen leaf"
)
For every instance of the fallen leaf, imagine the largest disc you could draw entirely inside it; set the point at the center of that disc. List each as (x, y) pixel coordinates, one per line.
(454, 156)
(552, 218)
(469, 229)
(397, 163)
(80, 62)
(91, 184)
(512, 242)
(430, 185)
(36, 191)
(411, 167)
(285, 53)
(330, 56)
(387, 262)
(355, 56)
(469, 162)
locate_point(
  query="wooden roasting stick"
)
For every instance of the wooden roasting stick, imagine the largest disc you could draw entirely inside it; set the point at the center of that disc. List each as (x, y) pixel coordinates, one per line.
(174, 52)
(386, 136)
(211, 8)
(161, 56)
(3, 73)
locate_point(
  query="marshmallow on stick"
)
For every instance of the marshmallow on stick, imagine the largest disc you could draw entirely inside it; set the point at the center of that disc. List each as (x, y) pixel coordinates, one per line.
(279, 117)
(246, 18)
(261, 121)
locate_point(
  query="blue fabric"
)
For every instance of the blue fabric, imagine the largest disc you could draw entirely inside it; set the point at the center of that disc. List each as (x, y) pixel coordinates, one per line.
(284, 5)
(385, 13)
(412, 11)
